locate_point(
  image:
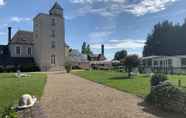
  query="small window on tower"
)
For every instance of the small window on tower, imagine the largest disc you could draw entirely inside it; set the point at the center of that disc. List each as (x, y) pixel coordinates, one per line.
(53, 44)
(36, 35)
(53, 33)
(53, 22)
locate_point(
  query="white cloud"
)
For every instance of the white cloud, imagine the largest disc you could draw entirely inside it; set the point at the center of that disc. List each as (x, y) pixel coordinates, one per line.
(2, 2)
(120, 44)
(148, 6)
(93, 1)
(99, 37)
(99, 34)
(20, 19)
(115, 7)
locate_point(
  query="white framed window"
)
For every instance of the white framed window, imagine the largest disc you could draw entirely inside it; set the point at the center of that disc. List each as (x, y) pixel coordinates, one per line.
(29, 51)
(18, 50)
(53, 59)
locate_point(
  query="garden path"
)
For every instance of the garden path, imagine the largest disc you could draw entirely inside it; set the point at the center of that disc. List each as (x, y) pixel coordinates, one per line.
(69, 96)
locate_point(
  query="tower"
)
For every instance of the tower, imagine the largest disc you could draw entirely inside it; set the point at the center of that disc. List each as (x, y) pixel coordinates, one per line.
(49, 39)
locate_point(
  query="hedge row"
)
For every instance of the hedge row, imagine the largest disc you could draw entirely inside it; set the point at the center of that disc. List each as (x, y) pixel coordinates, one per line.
(23, 68)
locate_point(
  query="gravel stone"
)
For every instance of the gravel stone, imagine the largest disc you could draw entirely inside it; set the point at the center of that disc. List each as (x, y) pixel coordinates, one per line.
(69, 96)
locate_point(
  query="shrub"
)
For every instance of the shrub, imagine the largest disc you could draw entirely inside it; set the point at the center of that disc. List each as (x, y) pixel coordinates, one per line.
(1, 69)
(23, 68)
(29, 68)
(76, 67)
(10, 69)
(68, 66)
(157, 79)
(9, 112)
(167, 97)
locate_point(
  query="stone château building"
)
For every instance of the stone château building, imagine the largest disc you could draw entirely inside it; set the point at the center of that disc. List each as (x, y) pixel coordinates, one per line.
(45, 46)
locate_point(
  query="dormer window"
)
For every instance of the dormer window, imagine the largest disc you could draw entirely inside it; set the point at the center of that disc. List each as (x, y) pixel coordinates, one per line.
(23, 39)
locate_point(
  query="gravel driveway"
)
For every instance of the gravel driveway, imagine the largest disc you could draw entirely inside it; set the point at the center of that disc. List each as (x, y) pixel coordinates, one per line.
(69, 96)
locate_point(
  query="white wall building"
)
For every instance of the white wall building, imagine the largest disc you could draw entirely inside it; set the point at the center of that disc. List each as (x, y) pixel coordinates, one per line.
(166, 64)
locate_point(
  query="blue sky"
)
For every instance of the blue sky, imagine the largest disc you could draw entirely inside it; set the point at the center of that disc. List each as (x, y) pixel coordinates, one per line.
(119, 24)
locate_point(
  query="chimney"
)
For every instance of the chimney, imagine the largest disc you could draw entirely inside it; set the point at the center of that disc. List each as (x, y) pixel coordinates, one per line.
(102, 50)
(9, 34)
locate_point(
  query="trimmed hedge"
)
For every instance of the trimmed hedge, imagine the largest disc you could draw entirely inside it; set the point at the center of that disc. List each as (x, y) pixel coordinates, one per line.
(167, 97)
(29, 68)
(22, 68)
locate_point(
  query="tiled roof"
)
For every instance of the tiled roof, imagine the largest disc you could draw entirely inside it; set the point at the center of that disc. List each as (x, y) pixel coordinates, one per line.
(22, 37)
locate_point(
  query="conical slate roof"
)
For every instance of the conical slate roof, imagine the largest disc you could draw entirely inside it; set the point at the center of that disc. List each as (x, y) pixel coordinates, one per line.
(56, 6)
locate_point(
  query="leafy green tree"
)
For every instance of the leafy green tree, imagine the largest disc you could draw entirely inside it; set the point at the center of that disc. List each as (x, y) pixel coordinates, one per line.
(120, 55)
(131, 62)
(86, 49)
(83, 48)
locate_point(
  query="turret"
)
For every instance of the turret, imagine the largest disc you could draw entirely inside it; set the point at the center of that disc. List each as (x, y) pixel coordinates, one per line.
(56, 10)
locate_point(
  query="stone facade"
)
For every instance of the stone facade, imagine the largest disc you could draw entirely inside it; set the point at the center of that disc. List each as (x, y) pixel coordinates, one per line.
(21, 44)
(49, 39)
(46, 44)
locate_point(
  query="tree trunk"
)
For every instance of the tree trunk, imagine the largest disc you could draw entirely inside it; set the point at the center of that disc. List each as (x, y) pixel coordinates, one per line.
(129, 72)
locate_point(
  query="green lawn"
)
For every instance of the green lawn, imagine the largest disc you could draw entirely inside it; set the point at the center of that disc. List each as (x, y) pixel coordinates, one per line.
(139, 85)
(11, 88)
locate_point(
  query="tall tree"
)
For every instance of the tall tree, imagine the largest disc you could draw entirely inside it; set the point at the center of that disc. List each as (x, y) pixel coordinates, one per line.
(120, 55)
(166, 39)
(83, 48)
(86, 49)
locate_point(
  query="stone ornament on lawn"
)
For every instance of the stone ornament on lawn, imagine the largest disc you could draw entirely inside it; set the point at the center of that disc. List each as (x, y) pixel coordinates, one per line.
(19, 74)
(26, 101)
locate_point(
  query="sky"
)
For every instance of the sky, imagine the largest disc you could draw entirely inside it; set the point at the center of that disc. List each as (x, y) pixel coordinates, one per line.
(118, 24)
